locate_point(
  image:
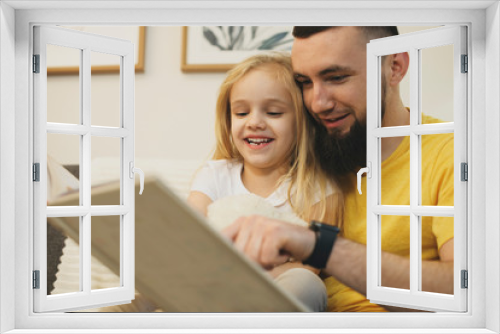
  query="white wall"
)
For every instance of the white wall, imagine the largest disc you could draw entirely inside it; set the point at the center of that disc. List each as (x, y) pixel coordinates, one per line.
(174, 110)
(437, 79)
(7, 166)
(491, 162)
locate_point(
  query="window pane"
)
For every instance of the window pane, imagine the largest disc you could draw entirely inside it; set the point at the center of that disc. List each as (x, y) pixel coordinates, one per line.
(395, 173)
(105, 90)
(105, 252)
(404, 91)
(438, 169)
(63, 108)
(106, 153)
(63, 255)
(436, 234)
(437, 84)
(395, 239)
(63, 163)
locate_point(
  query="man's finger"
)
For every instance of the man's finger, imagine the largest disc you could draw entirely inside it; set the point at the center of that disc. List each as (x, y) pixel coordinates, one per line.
(272, 249)
(271, 253)
(241, 239)
(254, 244)
(231, 231)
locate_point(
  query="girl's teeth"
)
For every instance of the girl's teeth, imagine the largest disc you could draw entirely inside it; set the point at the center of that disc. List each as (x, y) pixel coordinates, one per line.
(257, 141)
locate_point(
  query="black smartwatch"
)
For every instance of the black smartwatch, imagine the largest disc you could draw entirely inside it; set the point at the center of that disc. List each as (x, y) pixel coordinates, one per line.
(325, 239)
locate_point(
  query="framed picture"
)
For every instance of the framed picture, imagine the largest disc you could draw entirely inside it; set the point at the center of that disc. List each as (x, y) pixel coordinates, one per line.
(65, 61)
(219, 48)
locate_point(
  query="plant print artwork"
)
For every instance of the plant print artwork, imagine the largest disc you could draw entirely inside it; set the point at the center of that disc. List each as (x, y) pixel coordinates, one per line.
(253, 38)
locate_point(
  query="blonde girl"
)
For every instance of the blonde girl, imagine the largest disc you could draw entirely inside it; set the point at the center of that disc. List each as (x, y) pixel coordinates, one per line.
(308, 185)
(264, 146)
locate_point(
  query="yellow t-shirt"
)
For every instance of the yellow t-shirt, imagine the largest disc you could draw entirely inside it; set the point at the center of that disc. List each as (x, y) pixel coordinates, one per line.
(437, 190)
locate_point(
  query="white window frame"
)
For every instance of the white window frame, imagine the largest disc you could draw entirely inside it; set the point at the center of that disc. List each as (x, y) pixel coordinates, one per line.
(413, 44)
(85, 43)
(17, 19)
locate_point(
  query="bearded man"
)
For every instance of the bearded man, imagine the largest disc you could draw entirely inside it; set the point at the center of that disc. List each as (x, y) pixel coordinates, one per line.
(330, 67)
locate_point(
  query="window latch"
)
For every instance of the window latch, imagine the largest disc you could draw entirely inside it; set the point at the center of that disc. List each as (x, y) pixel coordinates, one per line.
(132, 171)
(368, 171)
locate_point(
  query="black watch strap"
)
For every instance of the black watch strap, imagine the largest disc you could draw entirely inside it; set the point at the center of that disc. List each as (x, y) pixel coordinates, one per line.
(325, 239)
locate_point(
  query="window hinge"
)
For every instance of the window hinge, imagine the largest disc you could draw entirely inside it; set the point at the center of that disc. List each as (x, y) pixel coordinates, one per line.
(465, 279)
(464, 171)
(465, 64)
(36, 279)
(36, 63)
(36, 172)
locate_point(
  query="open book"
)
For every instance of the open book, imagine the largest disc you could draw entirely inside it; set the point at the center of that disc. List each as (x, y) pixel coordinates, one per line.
(182, 264)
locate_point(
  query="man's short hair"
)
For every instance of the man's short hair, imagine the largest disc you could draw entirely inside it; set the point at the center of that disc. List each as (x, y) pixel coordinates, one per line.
(369, 32)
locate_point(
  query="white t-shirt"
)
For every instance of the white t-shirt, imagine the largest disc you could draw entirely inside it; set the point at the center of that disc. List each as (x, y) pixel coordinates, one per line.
(222, 178)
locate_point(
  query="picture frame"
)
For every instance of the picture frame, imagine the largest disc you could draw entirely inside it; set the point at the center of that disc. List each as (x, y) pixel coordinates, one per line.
(219, 48)
(66, 62)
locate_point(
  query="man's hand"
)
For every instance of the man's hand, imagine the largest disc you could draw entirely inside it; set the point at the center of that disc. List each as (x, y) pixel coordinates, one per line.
(270, 242)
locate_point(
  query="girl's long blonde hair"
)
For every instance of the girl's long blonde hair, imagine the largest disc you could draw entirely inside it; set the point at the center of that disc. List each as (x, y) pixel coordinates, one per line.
(307, 180)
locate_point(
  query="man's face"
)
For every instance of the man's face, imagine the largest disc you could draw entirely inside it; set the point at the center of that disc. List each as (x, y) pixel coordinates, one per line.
(330, 66)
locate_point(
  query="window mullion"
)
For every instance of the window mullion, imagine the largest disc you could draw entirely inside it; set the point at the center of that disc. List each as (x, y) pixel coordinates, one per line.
(422, 210)
(86, 122)
(67, 211)
(85, 174)
(67, 129)
(80, 211)
(109, 210)
(85, 254)
(415, 250)
(77, 129)
(433, 129)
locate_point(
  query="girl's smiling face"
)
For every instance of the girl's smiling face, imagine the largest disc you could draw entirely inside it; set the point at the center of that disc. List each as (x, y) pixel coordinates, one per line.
(263, 120)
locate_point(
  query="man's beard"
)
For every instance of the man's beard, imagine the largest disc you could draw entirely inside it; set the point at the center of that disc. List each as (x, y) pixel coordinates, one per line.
(340, 156)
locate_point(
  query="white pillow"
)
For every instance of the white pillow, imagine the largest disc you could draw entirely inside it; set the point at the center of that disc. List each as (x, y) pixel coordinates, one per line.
(225, 211)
